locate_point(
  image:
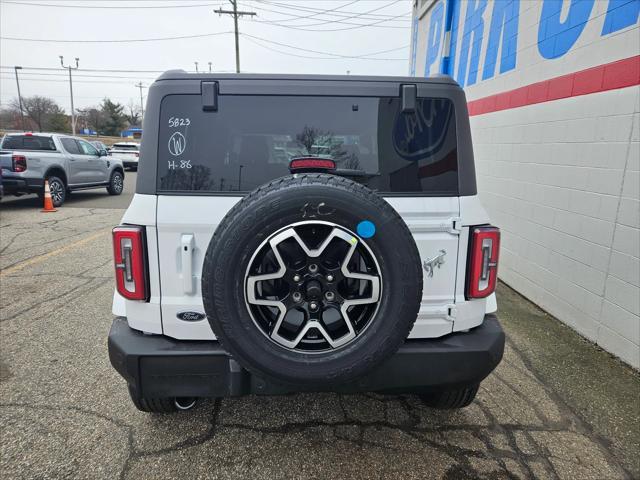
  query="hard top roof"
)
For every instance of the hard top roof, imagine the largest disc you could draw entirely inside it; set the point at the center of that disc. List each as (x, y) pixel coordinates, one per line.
(184, 75)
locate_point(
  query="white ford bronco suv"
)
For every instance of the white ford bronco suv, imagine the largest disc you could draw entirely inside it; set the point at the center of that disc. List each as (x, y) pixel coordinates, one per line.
(304, 233)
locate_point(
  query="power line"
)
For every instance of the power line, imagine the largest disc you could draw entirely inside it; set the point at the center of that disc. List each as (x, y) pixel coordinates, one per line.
(300, 8)
(304, 28)
(30, 4)
(88, 76)
(377, 23)
(255, 42)
(48, 80)
(132, 40)
(353, 27)
(252, 40)
(365, 56)
(137, 77)
(326, 12)
(173, 4)
(91, 69)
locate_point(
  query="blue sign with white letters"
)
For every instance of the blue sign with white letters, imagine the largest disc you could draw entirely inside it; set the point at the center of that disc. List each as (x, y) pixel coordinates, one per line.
(456, 30)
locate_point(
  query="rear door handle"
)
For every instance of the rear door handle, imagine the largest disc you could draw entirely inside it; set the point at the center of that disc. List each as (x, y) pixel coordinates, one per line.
(186, 252)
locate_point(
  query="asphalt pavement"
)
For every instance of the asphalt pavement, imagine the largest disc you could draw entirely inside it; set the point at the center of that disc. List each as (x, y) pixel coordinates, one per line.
(556, 407)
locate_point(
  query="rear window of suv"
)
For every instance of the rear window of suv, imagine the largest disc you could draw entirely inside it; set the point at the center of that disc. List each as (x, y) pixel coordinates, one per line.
(28, 142)
(251, 139)
(120, 146)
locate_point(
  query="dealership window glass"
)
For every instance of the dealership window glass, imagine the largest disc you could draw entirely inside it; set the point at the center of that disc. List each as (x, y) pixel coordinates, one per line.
(251, 139)
(28, 142)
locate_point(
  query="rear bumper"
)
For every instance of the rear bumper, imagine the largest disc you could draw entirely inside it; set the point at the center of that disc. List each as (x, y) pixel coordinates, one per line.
(15, 184)
(158, 366)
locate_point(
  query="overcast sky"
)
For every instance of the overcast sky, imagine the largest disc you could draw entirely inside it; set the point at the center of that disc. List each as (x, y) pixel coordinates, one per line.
(279, 24)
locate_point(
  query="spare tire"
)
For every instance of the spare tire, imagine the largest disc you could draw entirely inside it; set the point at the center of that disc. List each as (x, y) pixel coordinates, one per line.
(312, 280)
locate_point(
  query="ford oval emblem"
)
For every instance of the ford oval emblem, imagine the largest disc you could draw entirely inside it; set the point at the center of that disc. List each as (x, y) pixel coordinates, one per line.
(191, 316)
(422, 134)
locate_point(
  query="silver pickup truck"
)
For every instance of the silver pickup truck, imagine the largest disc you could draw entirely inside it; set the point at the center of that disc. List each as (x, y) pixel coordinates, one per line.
(68, 163)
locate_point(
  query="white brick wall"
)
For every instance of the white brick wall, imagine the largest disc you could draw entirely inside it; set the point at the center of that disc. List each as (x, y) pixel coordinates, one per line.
(562, 178)
(562, 181)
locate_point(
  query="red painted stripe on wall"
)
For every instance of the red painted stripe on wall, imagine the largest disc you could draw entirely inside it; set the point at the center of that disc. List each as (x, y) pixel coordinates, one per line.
(610, 76)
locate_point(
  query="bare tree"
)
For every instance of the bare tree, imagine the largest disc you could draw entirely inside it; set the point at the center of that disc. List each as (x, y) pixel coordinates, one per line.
(325, 144)
(10, 118)
(92, 117)
(132, 114)
(39, 109)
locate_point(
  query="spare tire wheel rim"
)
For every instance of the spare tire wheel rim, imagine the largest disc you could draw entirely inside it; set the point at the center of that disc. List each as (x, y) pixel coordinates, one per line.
(313, 300)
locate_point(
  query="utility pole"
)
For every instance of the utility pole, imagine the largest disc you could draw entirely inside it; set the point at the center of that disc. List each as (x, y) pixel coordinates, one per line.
(73, 115)
(196, 66)
(240, 177)
(236, 14)
(141, 86)
(209, 67)
(16, 68)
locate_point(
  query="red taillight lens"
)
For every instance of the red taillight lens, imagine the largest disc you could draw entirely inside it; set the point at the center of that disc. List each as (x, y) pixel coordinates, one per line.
(130, 261)
(19, 163)
(311, 164)
(483, 261)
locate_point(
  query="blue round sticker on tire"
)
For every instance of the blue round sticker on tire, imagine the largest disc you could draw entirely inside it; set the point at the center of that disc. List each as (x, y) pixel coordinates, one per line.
(366, 229)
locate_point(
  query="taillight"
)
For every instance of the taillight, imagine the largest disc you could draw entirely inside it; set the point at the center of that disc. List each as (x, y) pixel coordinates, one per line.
(311, 164)
(130, 261)
(137, 154)
(483, 261)
(19, 163)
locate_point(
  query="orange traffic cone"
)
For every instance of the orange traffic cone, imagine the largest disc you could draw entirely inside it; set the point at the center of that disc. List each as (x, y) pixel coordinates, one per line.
(48, 203)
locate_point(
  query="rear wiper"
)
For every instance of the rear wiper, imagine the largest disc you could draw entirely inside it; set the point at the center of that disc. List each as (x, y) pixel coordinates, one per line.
(354, 172)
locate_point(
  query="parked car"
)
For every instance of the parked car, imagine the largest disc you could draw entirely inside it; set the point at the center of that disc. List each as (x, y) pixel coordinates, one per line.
(305, 233)
(128, 152)
(100, 146)
(68, 163)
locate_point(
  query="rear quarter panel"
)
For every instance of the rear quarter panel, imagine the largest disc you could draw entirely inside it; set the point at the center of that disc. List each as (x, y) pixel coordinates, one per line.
(38, 163)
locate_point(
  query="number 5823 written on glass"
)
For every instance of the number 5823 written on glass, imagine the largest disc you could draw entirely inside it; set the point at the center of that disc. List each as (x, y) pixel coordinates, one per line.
(179, 122)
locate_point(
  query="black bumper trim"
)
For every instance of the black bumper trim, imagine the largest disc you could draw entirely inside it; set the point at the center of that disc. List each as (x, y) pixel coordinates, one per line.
(158, 366)
(21, 185)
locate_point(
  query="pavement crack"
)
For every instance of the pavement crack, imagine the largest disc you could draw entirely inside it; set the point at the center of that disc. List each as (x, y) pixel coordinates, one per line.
(580, 424)
(79, 290)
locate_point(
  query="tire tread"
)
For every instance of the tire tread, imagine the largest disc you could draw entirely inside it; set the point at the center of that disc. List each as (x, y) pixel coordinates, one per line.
(253, 200)
(451, 399)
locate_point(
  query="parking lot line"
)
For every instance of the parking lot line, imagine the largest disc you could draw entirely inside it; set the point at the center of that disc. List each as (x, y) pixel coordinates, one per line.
(41, 258)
